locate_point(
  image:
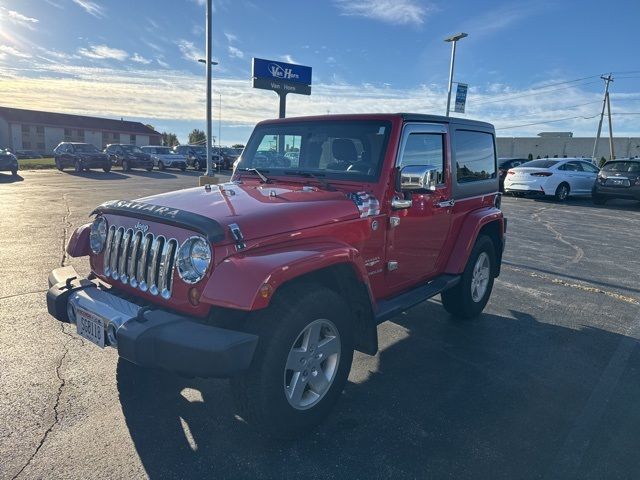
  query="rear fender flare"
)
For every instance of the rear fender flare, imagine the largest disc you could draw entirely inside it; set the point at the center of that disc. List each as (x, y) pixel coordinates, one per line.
(237, 281)
(473, 223)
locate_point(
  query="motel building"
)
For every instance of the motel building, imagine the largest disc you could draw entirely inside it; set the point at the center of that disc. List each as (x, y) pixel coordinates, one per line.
(41, 132)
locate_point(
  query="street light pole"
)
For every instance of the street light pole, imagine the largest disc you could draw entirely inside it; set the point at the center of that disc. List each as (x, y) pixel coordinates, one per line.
(453, 39)
(208, 63)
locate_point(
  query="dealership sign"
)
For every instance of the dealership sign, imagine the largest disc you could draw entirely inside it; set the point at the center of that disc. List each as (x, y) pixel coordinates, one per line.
(461, 97)
(281, 77)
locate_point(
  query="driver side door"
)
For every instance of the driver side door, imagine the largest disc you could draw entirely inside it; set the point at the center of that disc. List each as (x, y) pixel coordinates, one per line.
(416, 235)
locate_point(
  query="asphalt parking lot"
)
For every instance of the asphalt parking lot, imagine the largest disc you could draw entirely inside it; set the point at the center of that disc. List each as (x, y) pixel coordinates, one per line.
(545, 384)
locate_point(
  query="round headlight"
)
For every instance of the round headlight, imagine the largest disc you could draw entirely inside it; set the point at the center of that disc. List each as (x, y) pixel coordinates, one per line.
(98, 234)
(194, 258)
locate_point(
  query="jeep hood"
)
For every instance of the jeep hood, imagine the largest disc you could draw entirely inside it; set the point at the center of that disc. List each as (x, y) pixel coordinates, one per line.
(261, 210)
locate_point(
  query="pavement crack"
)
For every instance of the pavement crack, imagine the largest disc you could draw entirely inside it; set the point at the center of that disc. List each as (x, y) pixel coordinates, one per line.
(578, 286)
(56, 405)
(65, 229)
(22, 294)
(558, 236)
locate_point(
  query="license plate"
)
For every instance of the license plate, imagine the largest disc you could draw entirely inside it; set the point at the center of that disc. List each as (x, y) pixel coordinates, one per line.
(90, 326)
(618, 181)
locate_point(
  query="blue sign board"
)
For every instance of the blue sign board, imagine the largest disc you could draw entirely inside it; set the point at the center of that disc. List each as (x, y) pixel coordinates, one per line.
(461, 97)
(281, 71)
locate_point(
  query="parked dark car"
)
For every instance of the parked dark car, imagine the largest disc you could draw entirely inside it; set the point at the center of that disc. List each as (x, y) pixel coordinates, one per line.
(128, 157)
(196, 156)
(8, 162)
(617, 179)
(228, 156)
(80, 156)
(504, 164)
(27, 154)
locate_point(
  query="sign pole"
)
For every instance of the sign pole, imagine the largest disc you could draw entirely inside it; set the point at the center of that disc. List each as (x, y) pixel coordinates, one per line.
(283, 104)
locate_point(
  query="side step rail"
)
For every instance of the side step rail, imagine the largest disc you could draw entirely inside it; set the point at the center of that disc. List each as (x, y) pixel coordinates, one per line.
(398, 304)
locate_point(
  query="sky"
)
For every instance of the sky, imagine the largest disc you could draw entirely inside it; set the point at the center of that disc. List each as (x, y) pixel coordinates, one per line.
(525, 62)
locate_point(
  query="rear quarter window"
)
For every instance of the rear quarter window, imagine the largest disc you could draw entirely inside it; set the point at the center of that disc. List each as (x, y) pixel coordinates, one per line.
(475, 156)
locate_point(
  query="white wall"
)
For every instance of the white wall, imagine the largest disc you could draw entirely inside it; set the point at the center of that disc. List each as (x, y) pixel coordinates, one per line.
(5, 139)
(52, 137)
(16, 136)
(93, 137)
(569, 146)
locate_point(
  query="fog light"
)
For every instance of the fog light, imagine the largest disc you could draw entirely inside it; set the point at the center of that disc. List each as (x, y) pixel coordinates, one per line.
(71, 313)
(194, 296)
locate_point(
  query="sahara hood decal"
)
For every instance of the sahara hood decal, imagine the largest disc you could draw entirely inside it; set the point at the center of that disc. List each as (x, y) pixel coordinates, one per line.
(168, 215)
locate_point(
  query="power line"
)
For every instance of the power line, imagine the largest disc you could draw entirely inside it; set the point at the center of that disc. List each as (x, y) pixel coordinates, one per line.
(562, 83)
(548, 121)
(508, 98)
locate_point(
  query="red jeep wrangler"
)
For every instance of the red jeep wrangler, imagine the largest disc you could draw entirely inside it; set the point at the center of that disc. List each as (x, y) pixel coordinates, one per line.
(330, 225)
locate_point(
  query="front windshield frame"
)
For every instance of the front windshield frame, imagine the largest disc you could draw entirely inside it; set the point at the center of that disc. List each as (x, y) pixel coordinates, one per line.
(310, 133)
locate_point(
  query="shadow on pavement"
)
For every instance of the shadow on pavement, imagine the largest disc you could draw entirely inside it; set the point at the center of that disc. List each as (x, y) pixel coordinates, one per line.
(152, 174)
(497, 397)
(100, 175)
(8, 178)
(616, 204)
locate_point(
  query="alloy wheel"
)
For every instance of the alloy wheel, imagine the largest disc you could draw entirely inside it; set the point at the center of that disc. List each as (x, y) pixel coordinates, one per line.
(480, 277)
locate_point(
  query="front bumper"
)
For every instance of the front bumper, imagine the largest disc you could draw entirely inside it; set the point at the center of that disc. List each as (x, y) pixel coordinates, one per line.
(149, 336)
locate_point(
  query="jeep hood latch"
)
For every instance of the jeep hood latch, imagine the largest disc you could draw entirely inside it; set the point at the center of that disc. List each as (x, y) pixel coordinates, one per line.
(236, 233)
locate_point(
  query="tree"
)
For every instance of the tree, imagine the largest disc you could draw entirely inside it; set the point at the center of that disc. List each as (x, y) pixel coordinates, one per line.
(530, 157)
(197, 137)
(169, 139)
(602, 161)
(237, 145)
(148, 125)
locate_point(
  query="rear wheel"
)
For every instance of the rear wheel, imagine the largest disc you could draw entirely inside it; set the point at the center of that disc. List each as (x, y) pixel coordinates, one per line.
(301, 363)
(562, 192)
(59, 165)
(469, 297)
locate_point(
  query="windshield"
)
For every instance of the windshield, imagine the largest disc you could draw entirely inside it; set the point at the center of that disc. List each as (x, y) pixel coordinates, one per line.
(230, 151)
(349, 150)
(85, 147)
(627, 167)
(131, 148)
(160, 150)
(540, 164)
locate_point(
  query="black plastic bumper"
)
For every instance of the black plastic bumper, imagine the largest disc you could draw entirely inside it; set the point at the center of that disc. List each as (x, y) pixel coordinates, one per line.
(161, 339)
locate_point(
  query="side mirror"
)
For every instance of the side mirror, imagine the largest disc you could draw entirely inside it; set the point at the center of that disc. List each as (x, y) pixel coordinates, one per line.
(418, 178)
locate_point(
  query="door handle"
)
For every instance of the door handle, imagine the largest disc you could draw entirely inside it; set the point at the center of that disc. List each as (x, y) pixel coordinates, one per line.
(446, 203)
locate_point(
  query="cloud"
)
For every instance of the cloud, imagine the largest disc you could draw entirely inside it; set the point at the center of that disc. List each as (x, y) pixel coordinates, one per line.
(235, 52)
(103, 52)
(502, 17)
(395, 12)
(8, 50)
(231, 38)
(54, 4)
(287, 58)
(136, 57)
(92, 8)
(18, 18)
(189, 50)
(162, 63)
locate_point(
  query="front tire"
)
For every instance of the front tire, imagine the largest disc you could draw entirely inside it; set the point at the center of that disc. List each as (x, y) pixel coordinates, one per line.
(77, 166)
(301, 363)
(469, 297)
(562, 192)
(161, 166)
(106, 169)
(14, 173)
(125, 166)
(196, 165)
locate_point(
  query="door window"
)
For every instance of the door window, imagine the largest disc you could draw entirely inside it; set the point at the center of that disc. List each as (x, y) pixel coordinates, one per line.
(424, 149)
(588, 167)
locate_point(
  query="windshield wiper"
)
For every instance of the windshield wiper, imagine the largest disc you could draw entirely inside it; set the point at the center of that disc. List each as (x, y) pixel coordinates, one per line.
(302, 173)
(263, 178)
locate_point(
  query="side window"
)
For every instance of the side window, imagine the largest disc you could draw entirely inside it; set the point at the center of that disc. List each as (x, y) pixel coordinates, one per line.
(424, 149)
(475, 156)
(516, 164)
(588, 167)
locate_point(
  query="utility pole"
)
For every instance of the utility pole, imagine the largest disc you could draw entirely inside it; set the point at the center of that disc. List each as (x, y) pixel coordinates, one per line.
(611, 152)
(608, 79)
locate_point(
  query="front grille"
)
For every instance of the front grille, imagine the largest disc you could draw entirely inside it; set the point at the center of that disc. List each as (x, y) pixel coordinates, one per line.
(141, 260)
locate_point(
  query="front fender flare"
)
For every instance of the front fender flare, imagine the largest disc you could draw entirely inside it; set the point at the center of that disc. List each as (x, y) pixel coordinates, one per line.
(237, 280)
(471, 227)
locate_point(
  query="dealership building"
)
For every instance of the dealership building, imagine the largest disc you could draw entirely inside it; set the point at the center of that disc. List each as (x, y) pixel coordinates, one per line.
(43, 131)
(564, 144)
